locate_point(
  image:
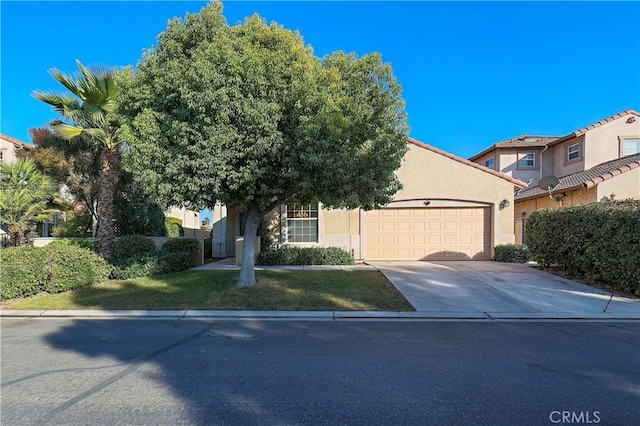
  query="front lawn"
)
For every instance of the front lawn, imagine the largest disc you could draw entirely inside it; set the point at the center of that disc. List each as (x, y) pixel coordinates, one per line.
(216, 290)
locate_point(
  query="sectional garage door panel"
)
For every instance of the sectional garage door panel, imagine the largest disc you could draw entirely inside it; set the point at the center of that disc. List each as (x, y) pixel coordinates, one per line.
(428, 234)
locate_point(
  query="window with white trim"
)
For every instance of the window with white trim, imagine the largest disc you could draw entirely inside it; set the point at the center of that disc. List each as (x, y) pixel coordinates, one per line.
(527, 160)
(573, 152)
(630, 146)
(301, 223)
(489, 163)
(2, 155)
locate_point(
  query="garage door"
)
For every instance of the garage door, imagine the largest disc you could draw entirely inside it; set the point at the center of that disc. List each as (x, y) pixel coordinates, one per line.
(428, 234)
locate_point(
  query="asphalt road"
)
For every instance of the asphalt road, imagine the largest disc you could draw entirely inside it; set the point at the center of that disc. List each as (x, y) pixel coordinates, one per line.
(169, 372)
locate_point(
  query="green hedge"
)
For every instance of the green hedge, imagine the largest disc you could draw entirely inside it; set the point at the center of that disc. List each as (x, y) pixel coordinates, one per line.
(158, 264)
(289, 255)
(55, 268)
(512, 253)
(182, 245)
(131, 246)
(77, 242)
(173, 227)
(598, 241)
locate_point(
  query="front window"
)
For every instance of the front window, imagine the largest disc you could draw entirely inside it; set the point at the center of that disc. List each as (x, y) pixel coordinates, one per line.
(527, 160)
(301, 223)
(573, 152)
(630, 146)
(489, 163)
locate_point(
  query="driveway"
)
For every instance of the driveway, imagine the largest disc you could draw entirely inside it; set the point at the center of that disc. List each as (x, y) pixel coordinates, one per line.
(501, 290)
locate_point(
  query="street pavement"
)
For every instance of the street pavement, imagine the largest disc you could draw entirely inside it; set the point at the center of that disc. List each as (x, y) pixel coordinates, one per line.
(71, 371)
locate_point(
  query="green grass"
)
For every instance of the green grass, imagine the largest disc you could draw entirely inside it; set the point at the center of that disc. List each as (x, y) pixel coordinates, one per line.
(276, 290)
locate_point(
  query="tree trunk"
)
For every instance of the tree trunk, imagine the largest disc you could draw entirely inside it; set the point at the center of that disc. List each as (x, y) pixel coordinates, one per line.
(16, 236)
(248, 268)
(108, 174)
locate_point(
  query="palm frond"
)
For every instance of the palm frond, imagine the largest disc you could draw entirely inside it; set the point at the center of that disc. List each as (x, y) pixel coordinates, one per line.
(60, 102)
(68, 81)
(67, 131)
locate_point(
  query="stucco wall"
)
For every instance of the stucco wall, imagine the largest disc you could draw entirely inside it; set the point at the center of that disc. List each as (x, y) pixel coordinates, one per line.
(508, 164)
(560, 166)
(484, 158)
(626, 185)
(429, 175)
(603, 144)
(8, 151)
(190, 218)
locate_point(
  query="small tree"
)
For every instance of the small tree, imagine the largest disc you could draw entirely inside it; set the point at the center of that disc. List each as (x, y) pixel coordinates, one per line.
(25, 194)
(248, 116)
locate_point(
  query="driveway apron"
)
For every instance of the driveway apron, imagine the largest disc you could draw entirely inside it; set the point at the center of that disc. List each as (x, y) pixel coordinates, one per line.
(499, 290)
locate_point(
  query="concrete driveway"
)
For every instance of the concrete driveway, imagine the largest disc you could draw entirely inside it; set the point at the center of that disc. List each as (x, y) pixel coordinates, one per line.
(501, 290)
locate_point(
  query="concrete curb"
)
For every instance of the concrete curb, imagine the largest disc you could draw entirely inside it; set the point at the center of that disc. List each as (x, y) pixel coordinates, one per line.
(314, 315)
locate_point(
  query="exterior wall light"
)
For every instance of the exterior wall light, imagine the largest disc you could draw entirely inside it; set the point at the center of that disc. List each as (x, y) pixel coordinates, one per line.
(504, 204)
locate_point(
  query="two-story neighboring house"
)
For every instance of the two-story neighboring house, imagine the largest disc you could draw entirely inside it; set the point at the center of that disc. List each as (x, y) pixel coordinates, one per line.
(599, 162)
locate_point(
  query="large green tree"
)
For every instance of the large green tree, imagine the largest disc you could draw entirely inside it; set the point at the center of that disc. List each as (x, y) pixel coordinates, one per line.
(87, 114)
(25, 194)
(248, 116)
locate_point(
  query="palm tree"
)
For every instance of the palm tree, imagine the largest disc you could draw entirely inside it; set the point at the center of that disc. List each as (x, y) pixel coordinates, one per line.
(25, 193)
(89, 113)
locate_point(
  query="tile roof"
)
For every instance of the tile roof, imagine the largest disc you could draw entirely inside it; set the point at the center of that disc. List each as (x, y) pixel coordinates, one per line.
(584, 130)
(16, 142)
(518, 142)
(468, 163)
(586, 178)
(542, 141)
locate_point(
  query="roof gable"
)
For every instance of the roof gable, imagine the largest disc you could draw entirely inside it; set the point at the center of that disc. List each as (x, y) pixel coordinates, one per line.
(584, 130)
(508, 178)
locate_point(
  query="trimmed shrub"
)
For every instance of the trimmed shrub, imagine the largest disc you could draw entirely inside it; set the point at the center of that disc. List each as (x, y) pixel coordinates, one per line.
(73, 267)
(141, 266)
(132, 246)
(175, 262)
(158, 264)
(76, 242)
(512, 253)
(55, 268)
(291, 255)
(173, 226)
(598, 241)
(182, 245)
(23, 272)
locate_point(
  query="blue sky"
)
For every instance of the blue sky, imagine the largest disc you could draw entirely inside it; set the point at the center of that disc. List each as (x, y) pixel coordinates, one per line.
(472, 73)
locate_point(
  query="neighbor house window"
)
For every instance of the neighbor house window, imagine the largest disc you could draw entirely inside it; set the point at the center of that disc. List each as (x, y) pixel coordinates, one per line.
(2, 155)
(630, 146)
(527, 160)
(301, 223)
(489, 163)
(573, 152)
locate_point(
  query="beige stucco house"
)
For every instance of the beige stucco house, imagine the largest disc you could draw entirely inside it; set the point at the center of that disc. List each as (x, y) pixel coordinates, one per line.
(9, 147)
(599, 162)
(450, 208)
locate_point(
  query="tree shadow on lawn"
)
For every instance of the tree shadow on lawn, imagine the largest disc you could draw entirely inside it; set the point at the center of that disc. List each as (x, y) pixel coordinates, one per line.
(276, 290)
